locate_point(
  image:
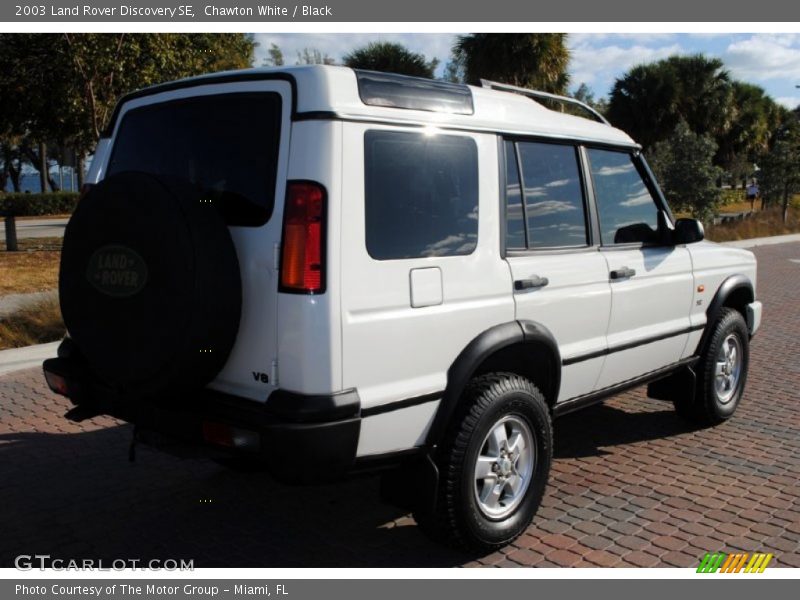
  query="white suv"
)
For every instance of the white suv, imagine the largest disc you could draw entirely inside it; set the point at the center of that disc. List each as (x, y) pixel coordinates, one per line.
(334, 271)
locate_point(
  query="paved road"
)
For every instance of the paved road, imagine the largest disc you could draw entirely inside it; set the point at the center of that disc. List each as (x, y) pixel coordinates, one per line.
(632, 485)
(36, 228)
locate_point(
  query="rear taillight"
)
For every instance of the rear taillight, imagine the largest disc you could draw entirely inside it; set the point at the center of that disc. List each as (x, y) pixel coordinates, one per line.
(57, 383)
(217, 434)
(303, 244)
(220, 434)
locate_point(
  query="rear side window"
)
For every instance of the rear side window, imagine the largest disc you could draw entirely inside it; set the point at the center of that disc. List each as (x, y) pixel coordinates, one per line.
(225, 144)
(421, 195)
(627, 211)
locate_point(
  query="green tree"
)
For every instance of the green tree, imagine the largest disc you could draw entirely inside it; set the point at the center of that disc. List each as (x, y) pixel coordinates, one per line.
(390, 57)
(312, 56)
(109, 65)
(453, 71)
(61, 88)
(683, 164)
(274, 56)
(531, 60)
(650, 100)
(32, 92)
(11, 166)
(586, 95)
(780, 166)
(754, 117)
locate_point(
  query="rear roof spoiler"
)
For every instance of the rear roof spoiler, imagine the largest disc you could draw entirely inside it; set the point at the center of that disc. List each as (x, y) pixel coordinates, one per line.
(415, 93)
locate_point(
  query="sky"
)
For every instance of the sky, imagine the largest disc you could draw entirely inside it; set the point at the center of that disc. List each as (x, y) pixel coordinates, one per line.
(769, 60)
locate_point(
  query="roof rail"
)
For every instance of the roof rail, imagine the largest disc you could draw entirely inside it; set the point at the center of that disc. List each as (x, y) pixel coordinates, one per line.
(494, 85)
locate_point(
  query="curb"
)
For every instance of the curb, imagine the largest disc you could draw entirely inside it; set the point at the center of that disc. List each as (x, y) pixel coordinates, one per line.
(16, 359)
(764, 241)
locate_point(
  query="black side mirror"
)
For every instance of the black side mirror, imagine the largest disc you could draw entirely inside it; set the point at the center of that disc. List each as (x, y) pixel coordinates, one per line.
(688, 231)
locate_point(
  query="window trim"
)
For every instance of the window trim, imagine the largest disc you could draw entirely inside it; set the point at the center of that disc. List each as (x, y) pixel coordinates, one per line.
(585, 193)
(554, 250)
(501, 178)
(418, 132)
(593, 215)
(643, 169)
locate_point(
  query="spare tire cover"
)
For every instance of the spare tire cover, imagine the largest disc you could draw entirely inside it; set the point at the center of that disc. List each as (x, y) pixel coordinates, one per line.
(149, 284)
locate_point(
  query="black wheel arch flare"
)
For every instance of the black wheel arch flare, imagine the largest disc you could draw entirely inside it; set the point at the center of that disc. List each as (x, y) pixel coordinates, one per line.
(482, 348)
(735, 285)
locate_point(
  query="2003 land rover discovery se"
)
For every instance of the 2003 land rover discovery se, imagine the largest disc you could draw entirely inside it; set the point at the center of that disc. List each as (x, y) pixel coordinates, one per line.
(333, 270)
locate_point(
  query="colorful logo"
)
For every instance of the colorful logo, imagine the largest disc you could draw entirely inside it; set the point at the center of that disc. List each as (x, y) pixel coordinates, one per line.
(719, 562)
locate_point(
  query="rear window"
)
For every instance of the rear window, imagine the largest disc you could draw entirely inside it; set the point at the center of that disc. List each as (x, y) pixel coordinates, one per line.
(421, 195)
(225, 144)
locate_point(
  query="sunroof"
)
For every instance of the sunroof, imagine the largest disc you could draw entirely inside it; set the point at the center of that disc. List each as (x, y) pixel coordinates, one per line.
(414, 93)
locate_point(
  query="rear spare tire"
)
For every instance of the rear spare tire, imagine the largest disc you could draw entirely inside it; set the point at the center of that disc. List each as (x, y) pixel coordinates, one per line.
(149, 284)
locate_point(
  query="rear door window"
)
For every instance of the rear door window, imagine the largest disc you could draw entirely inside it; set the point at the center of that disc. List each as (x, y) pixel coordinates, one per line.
(421, 196)
(225, 144)
(545, 203)
(553, 195)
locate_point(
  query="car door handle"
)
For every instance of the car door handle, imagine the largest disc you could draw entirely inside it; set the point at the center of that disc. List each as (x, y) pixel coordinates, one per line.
(530, 284)
(622, 273)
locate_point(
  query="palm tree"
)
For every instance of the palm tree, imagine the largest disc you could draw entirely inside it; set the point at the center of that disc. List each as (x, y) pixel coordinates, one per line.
(532, 60)
(780, 176)
(754, 118)
(650, 100)
(706, 92)
(643, 103)
(391, 58)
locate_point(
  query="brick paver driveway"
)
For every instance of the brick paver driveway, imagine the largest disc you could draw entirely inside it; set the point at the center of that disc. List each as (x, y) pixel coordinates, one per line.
(631, 484)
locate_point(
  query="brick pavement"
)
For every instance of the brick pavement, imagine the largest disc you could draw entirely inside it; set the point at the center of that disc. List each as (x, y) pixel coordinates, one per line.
(631, 485)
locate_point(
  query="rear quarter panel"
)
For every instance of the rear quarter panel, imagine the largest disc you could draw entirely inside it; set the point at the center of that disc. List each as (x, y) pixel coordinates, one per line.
(309, 326)
(392, 350)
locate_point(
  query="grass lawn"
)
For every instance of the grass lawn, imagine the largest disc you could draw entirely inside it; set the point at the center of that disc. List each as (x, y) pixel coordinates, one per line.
(35, 324)
(737, 207)
(762, 224)
(33, 269)
(44, 217)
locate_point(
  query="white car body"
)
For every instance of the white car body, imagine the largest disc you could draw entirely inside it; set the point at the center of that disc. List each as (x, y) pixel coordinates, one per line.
(393, 329)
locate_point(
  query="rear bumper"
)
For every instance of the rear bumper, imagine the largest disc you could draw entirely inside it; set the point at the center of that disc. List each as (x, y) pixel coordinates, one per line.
(754, 316)
(300, 438)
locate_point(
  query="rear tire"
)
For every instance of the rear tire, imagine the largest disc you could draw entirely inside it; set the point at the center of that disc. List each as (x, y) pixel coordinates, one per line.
(493, 464)
(721, 372)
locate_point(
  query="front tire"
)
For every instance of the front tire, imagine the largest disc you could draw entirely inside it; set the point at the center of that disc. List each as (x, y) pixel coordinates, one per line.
(722, 371)
(493, 464)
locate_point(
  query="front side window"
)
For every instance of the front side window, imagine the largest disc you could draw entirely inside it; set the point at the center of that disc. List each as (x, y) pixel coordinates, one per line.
(627, 211)
(554, 213)
(421, 194)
